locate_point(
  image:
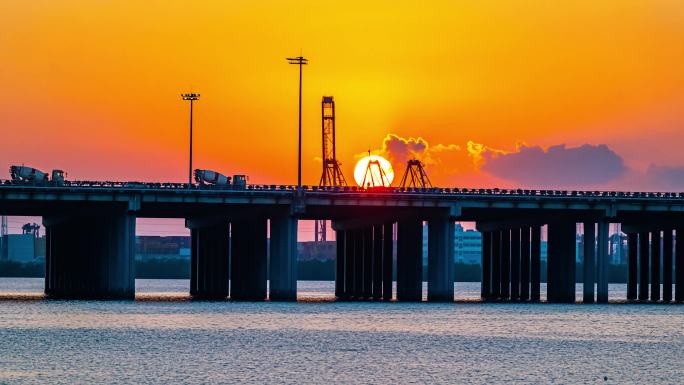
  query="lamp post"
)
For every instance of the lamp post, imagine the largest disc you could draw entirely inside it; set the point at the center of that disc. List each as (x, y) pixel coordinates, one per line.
(300, 61)
(191, 97)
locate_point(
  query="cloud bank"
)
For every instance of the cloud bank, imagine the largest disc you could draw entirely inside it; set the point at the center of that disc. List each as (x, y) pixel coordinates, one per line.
(558, 166)
(587, 166)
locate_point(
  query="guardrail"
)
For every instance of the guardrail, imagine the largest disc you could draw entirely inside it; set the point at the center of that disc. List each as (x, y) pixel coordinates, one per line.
(348, 189)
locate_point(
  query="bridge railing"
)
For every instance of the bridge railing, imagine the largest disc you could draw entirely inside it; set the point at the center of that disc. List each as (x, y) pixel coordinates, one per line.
(348, 189)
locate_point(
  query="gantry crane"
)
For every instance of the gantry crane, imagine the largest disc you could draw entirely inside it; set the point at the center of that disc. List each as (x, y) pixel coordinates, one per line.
(415, 175)
(332, 173)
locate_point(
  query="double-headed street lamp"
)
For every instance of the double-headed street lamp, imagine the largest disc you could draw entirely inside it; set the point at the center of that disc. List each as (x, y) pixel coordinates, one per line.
(191, 97)
(300, 61)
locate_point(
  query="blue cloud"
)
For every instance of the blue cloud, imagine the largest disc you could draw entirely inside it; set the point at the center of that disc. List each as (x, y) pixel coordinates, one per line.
(557, 167)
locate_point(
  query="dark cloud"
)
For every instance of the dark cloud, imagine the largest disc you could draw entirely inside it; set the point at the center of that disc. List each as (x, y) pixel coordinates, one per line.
(557, 167)
(398, 150)
(404, 149)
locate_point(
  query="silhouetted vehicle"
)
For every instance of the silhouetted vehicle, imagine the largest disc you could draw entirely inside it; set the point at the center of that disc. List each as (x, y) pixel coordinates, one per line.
(30, 174)
(213, 178)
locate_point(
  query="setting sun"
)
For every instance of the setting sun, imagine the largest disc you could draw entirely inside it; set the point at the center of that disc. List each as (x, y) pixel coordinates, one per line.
(373, 171)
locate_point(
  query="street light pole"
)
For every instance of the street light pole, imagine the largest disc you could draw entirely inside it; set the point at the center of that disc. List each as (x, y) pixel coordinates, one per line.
(191, 97)
(300, 61)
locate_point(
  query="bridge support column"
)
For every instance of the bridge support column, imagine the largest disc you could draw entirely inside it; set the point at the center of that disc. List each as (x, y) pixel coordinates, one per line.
(358, 263)
(209, 256)
(535, 264)
(667, 265)
(506, 264)
(525, 264)
(440, 260)
(377, 262)
(339, 264)
(515, 264)
(632, 254)
(496, 265)
(679, 264)
(248, 259)
(561, 262)
(349, 263)
(655, 265)
(90, 257)
(387, 248)
(283, 259)
(602, 263)
(643, 265)
(410, 260)
(589, 262)
(486, 293)
(368, 262)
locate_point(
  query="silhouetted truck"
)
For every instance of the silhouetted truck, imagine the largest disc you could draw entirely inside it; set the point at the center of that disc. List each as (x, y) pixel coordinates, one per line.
(209, 177)
(30, 174)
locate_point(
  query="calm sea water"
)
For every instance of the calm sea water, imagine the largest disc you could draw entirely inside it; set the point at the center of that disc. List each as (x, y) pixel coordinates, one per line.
(162, 337)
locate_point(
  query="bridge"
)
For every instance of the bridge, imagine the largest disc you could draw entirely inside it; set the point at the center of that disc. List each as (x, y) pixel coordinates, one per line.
(232, 257)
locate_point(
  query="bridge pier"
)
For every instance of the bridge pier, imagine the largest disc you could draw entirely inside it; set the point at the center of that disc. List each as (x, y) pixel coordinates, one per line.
(511, 260)
(525, 263)
(535, 264)
(377, 262)
(486, 292)
(410, 260)
(632, 267)
(679, 264)
(387, 260)
(561, 262)
(667, 264)
(340, 243)
(440, 260)
(349, 260)
(283, 259)
(589, 262)
(506, 264)
(248, 259)
(358, 263)
(351, 238)
(602, 263)
(209, 259)
(495, 292)
(364, 262)
(643, 265)
(368, 262)
(655, 265)
(90, 256)
(515, 264)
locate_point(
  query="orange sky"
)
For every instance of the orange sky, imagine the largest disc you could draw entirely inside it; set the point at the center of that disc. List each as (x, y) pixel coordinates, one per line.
(93, 86)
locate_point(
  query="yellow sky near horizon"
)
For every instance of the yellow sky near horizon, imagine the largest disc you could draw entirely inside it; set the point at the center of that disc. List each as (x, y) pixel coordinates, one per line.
(93, 86)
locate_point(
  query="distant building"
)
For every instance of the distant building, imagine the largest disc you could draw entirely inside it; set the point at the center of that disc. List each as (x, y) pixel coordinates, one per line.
(467, 245)
(21, 247)
(158, 247)
(320, 251)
